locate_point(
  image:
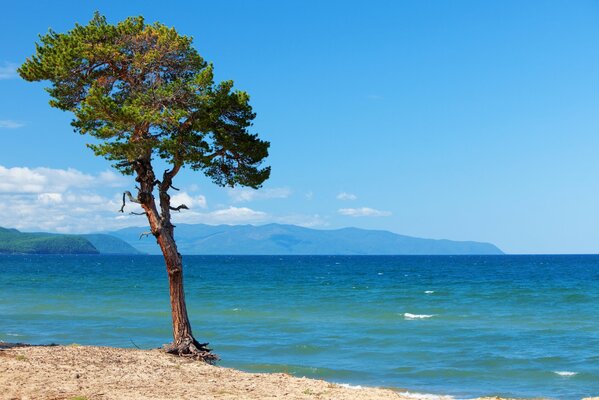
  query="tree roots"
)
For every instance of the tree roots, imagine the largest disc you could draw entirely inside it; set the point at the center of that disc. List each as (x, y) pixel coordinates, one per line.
(189, 347)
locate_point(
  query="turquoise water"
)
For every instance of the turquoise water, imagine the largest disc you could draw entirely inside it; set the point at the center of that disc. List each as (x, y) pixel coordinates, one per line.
(465, 326)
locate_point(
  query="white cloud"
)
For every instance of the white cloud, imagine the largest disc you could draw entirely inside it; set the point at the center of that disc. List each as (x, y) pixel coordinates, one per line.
(230, 215)
(307, 221)
(10, 124)
(238, 214)
(243, 215)
(309, 195)
(71, 201)
(363, 212)
(8, 71)
(62, 200)
(346, 196)
(62, 212)
(49, 180)
(190, 201)
(49, 198)
(246, 194)
(112, 179)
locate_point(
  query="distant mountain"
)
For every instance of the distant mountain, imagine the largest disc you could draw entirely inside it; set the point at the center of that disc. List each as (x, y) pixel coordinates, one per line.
(14, 242)
(294, 240)
(107, 244)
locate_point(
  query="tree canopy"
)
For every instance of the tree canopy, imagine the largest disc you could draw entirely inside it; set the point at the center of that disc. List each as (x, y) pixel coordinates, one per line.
(144, 91)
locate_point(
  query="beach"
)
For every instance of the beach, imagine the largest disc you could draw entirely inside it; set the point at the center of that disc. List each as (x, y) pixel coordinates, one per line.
(92, 373)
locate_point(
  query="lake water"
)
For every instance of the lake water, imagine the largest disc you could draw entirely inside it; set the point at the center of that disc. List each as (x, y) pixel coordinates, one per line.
(461, 325)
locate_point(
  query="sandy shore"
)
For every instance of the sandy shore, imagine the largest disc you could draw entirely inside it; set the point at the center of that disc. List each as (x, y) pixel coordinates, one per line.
(90, 373)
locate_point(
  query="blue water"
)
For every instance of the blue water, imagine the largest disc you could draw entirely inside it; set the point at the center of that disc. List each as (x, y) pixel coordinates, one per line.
(497, 325)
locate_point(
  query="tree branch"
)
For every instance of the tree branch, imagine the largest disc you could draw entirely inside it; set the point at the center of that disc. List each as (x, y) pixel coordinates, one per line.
(179, 208)
(131, 199)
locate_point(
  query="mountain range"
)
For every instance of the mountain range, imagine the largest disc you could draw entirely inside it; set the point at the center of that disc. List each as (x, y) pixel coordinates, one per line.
(277, 239)
(271, 239)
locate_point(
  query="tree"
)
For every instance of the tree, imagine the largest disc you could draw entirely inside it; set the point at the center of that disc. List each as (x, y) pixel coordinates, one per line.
(145, 93)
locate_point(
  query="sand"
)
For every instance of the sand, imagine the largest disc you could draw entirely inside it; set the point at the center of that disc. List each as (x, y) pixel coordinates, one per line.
(94, 373)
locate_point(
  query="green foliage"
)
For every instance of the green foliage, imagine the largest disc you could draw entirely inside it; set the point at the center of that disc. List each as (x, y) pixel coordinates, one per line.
(15, 242)
(144, 91)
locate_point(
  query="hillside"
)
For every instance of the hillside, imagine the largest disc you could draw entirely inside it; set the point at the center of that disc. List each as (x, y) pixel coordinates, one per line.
(107, 244)
(294, 240)
(13, 241)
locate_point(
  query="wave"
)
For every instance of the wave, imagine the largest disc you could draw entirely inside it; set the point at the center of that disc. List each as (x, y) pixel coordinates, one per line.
(407, 395)
(348, 386)
(409, 316)
(429, 291)
(565, 373)
(423, 396)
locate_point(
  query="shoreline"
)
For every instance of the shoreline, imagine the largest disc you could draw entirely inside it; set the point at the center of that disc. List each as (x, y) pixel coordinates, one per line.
(55, 372)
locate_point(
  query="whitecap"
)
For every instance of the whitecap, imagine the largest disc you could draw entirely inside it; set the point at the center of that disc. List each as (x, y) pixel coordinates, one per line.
(409, 316)
(348, 386)
(424, 396)
(380, 273)
(565, 373)
(429, 291)
(236, 309)
(13, 334)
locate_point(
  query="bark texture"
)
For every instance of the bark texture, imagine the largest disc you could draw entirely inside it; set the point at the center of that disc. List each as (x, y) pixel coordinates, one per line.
(184, 344)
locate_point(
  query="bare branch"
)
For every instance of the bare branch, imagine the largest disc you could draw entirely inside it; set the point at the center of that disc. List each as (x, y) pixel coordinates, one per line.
(136, 213)
(181, 207)
(174, 188)
(131, 199)
(144, 234)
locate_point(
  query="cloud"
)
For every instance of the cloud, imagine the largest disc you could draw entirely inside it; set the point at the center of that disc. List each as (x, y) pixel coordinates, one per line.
(189, 201)
(67, 212)
(245, 194)
(8, 70)
(49, 180)
(363, 212)
(10, 124)
(346, 196)
(230, 215)
(62, 200)
(307, 221)
(71, 201)
(309, 195)
(112, 179)
(50, 198)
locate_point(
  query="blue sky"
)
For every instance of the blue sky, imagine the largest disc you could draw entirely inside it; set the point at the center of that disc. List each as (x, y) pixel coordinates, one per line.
(463, 120)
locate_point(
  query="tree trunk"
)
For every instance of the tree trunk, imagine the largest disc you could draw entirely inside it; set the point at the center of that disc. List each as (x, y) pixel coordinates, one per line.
(184, 344)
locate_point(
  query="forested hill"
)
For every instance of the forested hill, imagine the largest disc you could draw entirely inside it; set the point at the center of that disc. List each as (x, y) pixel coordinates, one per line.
(294, 240)
(14, 242)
